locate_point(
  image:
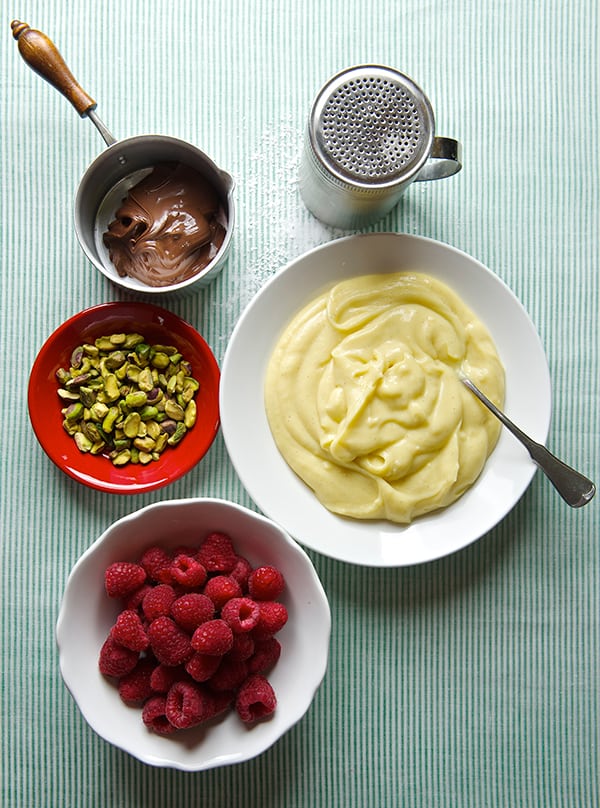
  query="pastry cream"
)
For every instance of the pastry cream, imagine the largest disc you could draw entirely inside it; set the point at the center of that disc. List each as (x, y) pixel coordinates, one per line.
(365, 404)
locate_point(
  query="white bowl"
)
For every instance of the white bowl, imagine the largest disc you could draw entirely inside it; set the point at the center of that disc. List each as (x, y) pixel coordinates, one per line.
(272, 484)
(87, 614)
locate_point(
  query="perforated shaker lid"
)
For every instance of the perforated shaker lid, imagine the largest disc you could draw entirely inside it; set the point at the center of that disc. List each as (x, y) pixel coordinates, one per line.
(371, 127)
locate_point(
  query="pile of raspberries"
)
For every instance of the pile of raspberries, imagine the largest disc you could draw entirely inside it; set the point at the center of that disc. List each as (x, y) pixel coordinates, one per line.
(196, 635)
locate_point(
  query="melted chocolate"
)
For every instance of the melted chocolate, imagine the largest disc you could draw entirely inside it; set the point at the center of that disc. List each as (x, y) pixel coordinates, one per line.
(168, 228)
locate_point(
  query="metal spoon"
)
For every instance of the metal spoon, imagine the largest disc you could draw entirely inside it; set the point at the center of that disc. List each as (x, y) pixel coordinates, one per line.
(574, 488)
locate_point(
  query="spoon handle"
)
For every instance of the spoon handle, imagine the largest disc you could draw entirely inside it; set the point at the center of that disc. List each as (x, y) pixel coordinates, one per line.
(576, 489)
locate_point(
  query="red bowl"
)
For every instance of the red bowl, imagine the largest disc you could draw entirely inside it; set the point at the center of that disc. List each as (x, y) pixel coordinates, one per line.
(157, 325)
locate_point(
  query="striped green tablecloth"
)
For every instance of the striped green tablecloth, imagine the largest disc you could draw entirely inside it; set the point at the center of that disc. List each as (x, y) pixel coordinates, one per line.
(467, 682)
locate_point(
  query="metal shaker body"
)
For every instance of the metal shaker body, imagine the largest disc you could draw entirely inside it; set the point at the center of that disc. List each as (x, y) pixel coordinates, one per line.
(370, 134)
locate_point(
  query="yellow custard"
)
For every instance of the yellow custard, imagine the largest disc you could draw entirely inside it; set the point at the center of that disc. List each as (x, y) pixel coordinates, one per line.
(365, 404)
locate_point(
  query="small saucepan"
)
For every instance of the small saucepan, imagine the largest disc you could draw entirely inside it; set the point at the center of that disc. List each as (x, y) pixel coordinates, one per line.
(119, 168)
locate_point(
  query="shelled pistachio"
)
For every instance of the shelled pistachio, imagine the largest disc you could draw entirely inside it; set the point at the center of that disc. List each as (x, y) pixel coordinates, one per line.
(127, 399)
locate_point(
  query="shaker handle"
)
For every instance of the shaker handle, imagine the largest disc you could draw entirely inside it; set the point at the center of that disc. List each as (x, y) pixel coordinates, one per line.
(42, 56)
(444, 161)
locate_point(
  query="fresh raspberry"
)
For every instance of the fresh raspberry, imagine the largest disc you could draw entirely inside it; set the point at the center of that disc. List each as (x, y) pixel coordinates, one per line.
(134, 687)
(157, 563)
(122, 578)
(129, 631)
(191, 610)
(222, 588)
(241, 573)
(265, 583)
(266, 653)
(163, 676)
(217, 703)
(134, 601)
(213, 637)
(155, 718)
(188, 572)
(201, 667)
(243, 647)
(273, 617)
(217, 554)
(229, 675)
(255, 699)
(171, 645)
(241, 614)
(185, 705)
(115, 659)
(195, 636)
(157, 602)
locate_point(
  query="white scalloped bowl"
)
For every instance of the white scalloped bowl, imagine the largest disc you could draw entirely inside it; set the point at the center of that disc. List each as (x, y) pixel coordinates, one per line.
(87, 614)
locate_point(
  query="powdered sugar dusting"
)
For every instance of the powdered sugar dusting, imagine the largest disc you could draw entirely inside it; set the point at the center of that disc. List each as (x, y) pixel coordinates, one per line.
(273, 225)
(282, 229)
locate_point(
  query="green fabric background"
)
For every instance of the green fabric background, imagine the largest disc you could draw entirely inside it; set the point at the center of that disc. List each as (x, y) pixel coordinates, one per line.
(468, 682)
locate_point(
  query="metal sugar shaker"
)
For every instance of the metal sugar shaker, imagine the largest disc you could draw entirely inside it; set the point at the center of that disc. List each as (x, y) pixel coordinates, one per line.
(370, 134)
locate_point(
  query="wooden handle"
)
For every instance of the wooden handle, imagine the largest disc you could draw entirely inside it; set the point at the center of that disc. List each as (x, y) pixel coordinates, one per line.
(42, 56)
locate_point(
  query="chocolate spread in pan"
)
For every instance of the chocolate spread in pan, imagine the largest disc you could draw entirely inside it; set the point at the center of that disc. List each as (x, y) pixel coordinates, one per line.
(168, 228)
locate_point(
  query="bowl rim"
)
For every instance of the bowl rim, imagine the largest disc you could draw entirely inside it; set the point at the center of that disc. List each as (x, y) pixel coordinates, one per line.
(157, 316)
(295, 711)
